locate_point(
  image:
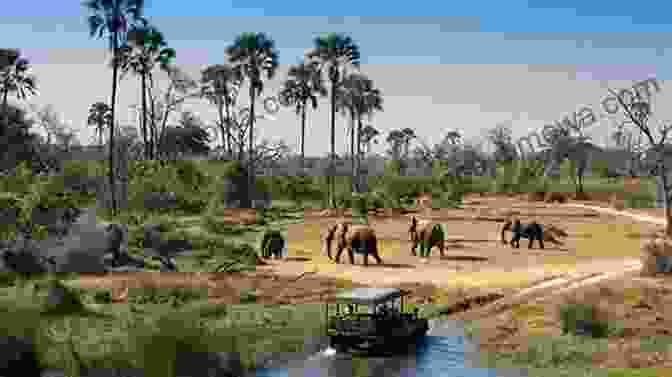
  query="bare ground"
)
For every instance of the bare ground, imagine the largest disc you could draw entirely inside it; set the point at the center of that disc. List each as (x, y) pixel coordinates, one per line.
(477, 268)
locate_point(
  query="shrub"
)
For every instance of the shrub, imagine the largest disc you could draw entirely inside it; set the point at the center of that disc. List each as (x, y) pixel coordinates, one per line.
(582, 319)
(27, 198)
(248, 296)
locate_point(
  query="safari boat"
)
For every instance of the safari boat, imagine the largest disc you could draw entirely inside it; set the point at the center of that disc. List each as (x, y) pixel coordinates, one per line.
(368, 319)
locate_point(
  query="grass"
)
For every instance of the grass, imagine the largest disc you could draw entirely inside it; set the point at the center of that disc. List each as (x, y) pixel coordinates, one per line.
(564, 356)
(147, 333)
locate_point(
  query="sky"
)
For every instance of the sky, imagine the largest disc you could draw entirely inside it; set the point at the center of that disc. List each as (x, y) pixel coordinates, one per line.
(440, 65)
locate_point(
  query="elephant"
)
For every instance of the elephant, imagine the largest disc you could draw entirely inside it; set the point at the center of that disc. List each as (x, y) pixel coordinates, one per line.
(272, 243)
(532, 231)
(360, 239)
(427, 234)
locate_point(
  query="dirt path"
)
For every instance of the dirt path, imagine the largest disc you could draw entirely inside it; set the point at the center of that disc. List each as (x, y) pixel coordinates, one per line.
(563, 284)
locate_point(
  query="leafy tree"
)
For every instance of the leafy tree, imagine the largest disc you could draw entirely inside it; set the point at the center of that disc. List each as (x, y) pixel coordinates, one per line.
(367, 136)
(15, 77)
(303, 84)
(638, 112)
(395, 139)
(501, 136)
(100, 116)
(145, 48)
(181, 87)
(216, 86)
(334, 53)
(188, 138)
(17, 143)
(357, 97)
(111, 19)
(254, 55)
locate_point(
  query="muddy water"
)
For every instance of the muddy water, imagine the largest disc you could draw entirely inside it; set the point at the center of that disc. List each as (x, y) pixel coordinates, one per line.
(445, 351)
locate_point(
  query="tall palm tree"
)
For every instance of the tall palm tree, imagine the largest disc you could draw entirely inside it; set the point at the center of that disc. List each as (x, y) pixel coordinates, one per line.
(100, 116)
(145, 47)
(370, 100)
(216, 85)
(336, 53)
(304, 83)
(15, 77)
(348, 98)
(111, 19)
(253, 54)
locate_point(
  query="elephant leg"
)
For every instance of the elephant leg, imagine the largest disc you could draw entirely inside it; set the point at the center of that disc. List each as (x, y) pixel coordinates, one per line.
(338, 254)
(376, 256)
(529, 246)
(541, 242)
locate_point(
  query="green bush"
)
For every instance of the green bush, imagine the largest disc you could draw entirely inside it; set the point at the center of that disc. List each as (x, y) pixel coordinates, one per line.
(578, 317)
(23, 195)
(71, 303)
(190, 183)
(639, 200)
(248, 296)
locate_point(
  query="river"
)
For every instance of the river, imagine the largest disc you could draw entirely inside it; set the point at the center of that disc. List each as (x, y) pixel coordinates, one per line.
(445, 351)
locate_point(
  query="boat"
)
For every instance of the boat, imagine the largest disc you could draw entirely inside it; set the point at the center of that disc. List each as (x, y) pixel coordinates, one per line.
(372, 319)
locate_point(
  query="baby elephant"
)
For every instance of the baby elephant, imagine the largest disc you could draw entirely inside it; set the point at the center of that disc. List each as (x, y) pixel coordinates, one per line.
(532, 231)
(426, 234)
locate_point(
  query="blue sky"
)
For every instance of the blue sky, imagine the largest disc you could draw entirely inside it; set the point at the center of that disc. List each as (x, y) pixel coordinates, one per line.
(565, 48)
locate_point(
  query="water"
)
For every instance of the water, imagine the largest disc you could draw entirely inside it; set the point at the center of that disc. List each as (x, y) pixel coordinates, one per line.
(445, 351)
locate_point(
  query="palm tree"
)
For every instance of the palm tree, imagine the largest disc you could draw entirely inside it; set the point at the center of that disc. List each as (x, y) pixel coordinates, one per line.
(144, 49)
(216, 84)
(15, 77)
(111, 19)
(370, 100)
(99, 117)
(304, 83)
(367, 135)
(396, 139)
(253, 54)
(334, 52)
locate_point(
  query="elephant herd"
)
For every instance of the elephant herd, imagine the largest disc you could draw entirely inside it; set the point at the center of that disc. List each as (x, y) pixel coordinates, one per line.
(361, 239)
(423, 234)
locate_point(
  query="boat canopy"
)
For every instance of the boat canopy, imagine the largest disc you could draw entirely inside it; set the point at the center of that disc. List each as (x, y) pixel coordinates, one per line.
(369, 296)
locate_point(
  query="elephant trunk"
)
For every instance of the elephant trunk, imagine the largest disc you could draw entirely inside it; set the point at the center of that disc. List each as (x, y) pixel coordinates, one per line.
(506, 227)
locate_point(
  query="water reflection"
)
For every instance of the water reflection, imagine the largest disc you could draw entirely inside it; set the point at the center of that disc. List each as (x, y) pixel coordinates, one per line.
(434, 355)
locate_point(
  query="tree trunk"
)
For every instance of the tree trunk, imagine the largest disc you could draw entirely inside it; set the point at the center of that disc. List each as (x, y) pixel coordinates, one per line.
(352, 151)
(250, 154)
(303, 135)
(332, 166)
(144, 115)
(229, 135)
(5, 111)
(662, 174)
(115, 71)
(152, 126)
(222, 128)
(358, 172)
